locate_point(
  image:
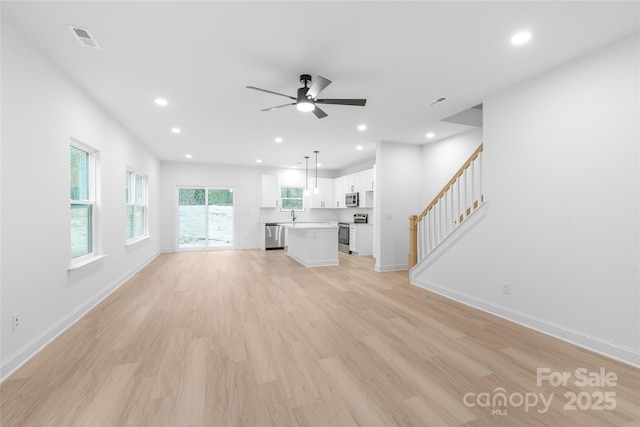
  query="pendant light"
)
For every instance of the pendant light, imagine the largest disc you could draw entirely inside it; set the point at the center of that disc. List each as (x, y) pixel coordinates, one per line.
(315, 190)
(306, 175)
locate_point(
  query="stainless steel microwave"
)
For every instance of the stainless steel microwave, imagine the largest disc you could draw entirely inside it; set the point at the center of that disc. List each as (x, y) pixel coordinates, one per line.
(351, 200)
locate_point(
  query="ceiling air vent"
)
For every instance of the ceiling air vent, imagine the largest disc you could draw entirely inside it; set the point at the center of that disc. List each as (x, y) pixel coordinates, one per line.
(84, 36)
(438, 100)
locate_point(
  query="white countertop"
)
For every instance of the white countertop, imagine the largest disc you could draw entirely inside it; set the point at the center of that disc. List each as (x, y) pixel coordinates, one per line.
(308, 225)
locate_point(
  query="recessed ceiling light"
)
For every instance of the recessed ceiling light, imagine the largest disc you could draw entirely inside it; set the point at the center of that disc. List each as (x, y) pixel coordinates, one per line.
(362, 127)
(430, 135)
(359, 147)
(161, 102)
(188, 156)
(278, 140)
(521, 37)
(176, 130)
(319, 165)
(258, 160)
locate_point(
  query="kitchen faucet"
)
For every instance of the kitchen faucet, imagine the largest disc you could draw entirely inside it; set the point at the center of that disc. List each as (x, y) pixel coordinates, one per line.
(293, 215)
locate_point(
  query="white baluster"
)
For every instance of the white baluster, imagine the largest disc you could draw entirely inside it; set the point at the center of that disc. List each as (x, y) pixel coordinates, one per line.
(432, 227)
(447, 214)
(439, 214)
(472, 175)
(419, 242)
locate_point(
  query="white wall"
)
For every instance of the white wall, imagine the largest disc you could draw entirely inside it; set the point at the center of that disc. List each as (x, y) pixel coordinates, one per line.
(398, 186)
(41, 110)
(561, 177)
(245, 181)
(442, 159)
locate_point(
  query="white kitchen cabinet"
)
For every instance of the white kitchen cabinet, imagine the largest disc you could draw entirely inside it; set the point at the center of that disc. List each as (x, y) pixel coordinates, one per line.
(339, 190)
(361, 239)
(366, 188)
(324, 199)
(351, 183)
(354, 182)
(359, 182)
(353, 238)
(368, 181)
(270, 192)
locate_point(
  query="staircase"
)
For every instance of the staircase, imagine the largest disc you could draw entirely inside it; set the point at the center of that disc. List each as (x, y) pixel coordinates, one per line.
(449, 213)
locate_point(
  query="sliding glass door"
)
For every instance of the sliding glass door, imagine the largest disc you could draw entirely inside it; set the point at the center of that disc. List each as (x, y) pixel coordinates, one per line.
(205, 218)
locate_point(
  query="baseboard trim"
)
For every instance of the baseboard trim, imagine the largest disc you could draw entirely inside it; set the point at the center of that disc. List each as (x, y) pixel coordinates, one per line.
(14, 361)
(598, 345)
(392, 267)
(317, 263)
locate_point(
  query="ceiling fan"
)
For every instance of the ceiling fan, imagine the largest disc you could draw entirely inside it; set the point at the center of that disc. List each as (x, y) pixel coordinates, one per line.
(306, 99)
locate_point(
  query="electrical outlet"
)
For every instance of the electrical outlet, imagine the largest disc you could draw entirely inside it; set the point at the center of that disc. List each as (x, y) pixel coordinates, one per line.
(506, 288)
(16, 320)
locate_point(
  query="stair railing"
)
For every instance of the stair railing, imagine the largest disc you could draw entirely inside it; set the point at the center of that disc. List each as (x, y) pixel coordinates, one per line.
(455, 203)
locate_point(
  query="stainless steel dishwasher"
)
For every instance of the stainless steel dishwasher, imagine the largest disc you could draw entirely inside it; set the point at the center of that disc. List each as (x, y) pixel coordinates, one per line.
(273, 236)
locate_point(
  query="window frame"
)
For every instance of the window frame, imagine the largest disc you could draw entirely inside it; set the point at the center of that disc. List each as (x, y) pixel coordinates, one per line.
(301, 198)
(131, 201)
(92, 200)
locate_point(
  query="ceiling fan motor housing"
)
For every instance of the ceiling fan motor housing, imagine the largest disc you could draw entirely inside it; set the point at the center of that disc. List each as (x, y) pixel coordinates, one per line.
(305, 78)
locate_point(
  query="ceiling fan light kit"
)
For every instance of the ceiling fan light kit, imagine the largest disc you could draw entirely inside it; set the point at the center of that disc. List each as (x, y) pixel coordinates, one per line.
(305, 106)
(306, 99)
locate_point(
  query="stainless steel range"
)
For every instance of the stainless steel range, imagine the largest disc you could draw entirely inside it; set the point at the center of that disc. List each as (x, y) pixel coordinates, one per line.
(360, 218)
(344, 229)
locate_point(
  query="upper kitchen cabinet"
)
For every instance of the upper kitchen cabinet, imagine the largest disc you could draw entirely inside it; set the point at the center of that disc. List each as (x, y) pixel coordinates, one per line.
(359, 182)
(339, 190)
(324, 198)
(366, 188)
(270, 192)
(354, 182)
(367, 180)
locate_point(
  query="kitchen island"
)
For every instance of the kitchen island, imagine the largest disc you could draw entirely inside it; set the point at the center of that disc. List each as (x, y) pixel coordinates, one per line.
(312, 244)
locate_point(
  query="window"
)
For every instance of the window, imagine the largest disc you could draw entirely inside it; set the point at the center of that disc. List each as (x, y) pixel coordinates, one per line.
(292, 198)
(205, 218)
(136, 198)
(83, 206)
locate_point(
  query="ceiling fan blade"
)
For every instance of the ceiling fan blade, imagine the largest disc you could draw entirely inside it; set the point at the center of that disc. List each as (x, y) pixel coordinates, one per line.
(319, 113)
(270, 91)
(356, 102)
(279, 106)
(318, 86)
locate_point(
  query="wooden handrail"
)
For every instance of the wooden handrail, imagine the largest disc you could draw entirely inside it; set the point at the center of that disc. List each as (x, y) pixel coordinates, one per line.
(451, 182)
(440, 231)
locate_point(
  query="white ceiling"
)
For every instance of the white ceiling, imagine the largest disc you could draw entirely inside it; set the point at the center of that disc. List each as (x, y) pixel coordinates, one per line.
(398, 55)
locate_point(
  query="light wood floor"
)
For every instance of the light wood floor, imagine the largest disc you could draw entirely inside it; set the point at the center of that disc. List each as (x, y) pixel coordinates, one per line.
(251, 338)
